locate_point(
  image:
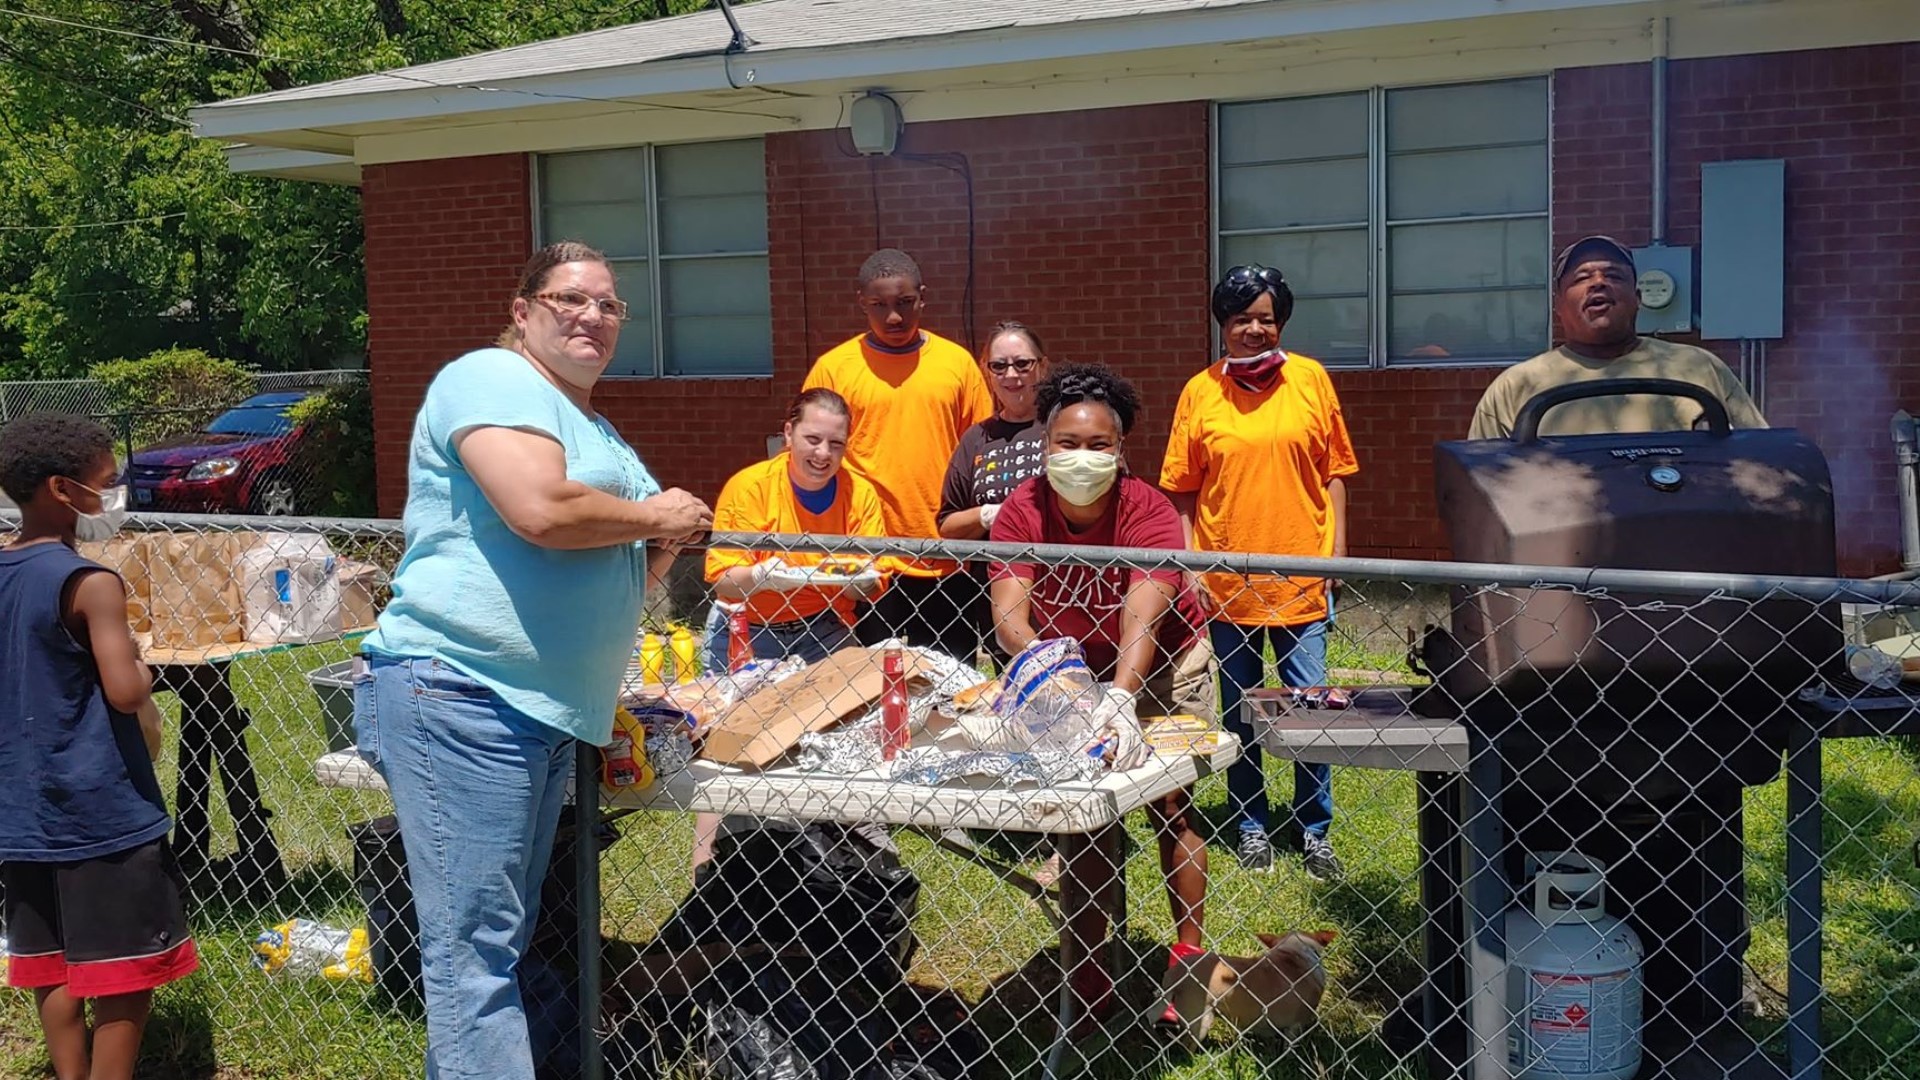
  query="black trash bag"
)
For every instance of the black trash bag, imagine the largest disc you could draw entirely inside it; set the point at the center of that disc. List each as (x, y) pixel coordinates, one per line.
(742, 1046)
(937, 1040)
(816, 922)
(821, 889)
(550, 996)
(894, 1068)
(836, 1029)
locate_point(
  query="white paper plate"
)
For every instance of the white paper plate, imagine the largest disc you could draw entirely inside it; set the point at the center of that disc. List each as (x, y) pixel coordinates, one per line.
(799, 576)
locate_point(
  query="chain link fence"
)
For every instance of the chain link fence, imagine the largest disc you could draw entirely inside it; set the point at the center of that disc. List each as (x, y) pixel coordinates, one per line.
(89, 397)
(271, 452)
(1582, 823)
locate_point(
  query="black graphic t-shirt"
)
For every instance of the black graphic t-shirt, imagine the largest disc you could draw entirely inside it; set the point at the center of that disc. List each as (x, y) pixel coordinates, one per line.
(994, 457)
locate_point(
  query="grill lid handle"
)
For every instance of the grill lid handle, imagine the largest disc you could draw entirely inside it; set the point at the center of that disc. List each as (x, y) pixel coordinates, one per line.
(1526, 426)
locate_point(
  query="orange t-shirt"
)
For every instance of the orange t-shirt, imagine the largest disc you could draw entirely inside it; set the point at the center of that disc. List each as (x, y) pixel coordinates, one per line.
(1260, 464)
(908, 413)
(760, 498)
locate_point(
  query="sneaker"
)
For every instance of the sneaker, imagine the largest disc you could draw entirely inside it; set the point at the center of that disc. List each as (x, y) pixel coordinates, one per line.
(1255, 851)
(1319, 860)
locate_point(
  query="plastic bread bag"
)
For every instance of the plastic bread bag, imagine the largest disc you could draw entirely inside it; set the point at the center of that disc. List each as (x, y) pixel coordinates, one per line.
(1049, 695)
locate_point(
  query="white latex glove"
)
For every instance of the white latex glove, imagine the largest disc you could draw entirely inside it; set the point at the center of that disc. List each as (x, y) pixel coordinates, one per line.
(988, 511)
(1115, 714)
(764, 580)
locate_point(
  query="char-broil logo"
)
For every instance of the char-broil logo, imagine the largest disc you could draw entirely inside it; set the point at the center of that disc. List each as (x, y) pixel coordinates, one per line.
(1635, 453)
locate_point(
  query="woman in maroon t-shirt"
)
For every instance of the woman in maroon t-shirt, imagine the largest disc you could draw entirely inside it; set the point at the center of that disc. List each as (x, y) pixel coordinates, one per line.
(1140, 629)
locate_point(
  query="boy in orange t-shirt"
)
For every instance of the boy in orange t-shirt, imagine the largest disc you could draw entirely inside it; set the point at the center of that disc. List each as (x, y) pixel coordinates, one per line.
(1256, 463)
(911, 394)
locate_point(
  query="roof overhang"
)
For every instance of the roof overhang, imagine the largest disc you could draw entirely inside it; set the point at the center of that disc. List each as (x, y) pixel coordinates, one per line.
(324, 122)
(1260, 48)
(311, 165)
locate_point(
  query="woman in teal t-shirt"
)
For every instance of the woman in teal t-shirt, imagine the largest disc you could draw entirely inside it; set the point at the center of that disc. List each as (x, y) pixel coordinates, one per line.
(513, 615)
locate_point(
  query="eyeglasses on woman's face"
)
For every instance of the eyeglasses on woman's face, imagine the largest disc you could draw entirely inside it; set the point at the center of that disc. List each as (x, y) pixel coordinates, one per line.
(1019, 365)
(574, 303)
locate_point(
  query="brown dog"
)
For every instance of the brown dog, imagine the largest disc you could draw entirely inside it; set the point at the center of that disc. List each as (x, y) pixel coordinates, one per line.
(1278, 990)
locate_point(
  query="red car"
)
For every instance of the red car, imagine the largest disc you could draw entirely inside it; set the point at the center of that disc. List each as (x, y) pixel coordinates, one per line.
(241, 464)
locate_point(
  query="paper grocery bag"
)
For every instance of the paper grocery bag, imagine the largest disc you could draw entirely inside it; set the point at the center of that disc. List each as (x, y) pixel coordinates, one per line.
(127, 556)
(195, 599)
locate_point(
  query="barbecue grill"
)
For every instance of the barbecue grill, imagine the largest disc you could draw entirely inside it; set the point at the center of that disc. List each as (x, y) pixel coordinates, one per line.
(1626, 725)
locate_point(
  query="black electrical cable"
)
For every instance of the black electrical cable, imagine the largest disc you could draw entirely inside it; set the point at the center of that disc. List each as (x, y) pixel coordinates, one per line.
(873, 189)
(952, 161)
(957, 163)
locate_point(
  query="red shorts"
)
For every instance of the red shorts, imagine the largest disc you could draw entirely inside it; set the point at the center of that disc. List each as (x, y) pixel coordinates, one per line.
(99, 927)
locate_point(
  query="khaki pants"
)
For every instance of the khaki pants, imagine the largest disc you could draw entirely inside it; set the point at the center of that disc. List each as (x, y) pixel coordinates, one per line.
(1182, 683)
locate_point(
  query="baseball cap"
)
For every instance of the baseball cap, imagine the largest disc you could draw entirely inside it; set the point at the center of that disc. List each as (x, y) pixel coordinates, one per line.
(1591, 245)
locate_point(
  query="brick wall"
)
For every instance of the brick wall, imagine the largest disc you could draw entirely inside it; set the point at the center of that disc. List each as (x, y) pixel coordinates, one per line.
(1395, 417)
(1847, 121)
(1092, 226)
(445, 244)
(1089, 226)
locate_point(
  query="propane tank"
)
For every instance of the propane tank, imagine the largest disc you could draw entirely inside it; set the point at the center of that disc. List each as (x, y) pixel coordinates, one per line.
(1573, 977)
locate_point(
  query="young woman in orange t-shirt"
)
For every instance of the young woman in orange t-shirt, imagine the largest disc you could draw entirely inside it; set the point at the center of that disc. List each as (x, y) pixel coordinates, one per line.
(1256, 463)
(802, 490)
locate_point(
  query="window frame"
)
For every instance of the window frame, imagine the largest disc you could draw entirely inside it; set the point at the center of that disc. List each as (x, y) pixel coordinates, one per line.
(654, 258)
(1378, 226)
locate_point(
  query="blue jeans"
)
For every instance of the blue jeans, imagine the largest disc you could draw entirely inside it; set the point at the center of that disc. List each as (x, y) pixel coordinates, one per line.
(1301, 653)
(820, 637)
(477, 788)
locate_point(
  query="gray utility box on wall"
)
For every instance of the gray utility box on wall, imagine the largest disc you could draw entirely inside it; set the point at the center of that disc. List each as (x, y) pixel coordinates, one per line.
(1743, 247)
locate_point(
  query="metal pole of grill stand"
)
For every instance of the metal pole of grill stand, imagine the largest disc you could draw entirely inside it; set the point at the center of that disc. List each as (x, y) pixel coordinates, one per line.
(1906, 461)
(1803, 898)
(586, 884)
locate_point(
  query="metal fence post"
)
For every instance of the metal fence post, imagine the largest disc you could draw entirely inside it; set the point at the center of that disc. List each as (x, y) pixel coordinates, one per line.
(1804, 900)
(586, 861)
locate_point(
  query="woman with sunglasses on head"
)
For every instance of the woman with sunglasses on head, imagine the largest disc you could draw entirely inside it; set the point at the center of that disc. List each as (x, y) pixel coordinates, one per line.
(528, 524)
(1256, 463)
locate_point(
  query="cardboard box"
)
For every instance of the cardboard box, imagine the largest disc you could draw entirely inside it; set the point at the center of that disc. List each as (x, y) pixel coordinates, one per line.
(760, 730)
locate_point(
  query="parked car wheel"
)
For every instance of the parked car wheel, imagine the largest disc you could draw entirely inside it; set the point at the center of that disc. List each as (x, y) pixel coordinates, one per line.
(274, 496)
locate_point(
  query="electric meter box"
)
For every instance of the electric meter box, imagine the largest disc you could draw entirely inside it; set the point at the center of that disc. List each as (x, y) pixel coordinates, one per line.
(1666, 289)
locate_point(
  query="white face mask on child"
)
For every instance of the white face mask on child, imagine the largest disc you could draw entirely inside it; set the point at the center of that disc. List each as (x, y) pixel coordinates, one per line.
(105, 525)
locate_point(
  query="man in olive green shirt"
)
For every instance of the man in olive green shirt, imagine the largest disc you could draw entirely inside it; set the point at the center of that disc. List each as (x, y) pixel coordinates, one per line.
(1596, 300)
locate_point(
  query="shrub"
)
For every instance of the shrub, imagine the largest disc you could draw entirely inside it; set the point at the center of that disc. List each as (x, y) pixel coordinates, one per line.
(334, 464)
(170, 392)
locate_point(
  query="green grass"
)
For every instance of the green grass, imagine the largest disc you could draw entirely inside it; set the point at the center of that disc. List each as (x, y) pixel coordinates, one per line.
(988, 943)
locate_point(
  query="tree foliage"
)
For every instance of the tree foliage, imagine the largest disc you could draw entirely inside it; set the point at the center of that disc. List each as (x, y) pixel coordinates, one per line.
(170, 392)
(122, 234)
(335, 463)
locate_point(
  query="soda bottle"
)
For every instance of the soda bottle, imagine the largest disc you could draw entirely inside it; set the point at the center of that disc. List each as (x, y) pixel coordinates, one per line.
(893, 703)
(739, 641)
(686, 661)
(653, 660)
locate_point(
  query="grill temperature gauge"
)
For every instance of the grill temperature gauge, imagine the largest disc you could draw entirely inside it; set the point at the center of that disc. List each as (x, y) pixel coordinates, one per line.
(1664, 477)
